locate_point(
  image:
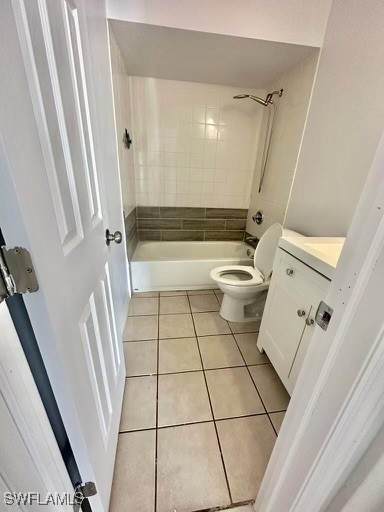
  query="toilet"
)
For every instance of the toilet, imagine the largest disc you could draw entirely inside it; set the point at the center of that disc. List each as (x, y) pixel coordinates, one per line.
(245, 287)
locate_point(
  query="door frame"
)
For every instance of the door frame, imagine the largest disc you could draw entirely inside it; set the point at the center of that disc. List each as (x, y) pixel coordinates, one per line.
(19, 391)
(337, 407)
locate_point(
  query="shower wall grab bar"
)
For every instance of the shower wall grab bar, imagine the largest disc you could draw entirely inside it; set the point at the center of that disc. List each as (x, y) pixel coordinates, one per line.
(272, 112)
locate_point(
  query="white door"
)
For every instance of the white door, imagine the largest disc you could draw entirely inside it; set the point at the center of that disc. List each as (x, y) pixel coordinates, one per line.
(53, 200)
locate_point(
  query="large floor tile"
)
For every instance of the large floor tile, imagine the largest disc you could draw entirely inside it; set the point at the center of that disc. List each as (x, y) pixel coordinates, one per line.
(246, 445)
(270, 387)
(172, 293)
(232, 393)
(141, 328)
(140, 358)
(200, 292)
(176, 326)
(145, 294)
(178, 355)
(239, 327)
(182, 398)
(190, 473)
(219, 294)
(277, 419)
(210, 323)
(204, 303)
(143, 306)
(219, 351)
(173, 305)
(134, 477)
(248, 346)
(139, 404)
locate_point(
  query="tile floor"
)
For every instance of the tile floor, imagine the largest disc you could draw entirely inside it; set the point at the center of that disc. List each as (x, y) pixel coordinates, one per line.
(202, 407)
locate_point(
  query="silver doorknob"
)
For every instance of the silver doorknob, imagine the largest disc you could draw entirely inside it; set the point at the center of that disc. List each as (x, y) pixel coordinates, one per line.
(309, 321)
(289, 272)
(301, 312)
(113, 237)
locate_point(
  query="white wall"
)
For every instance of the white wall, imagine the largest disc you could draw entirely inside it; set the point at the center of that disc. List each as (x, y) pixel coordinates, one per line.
(122, 104)
(194, 144)
(296, 21)
(345, 121)
(288, 132)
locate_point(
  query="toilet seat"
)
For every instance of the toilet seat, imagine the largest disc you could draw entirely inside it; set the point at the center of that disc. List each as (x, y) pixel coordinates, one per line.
(237, 275)
(245, 287)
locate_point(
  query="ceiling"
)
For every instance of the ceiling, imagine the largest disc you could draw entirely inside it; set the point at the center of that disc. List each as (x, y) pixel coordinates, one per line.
(186, 55)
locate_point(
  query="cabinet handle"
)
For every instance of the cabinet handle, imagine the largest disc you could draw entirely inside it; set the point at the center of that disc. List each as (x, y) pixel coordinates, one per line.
(289, 272)
(301, 312)
(309, 321)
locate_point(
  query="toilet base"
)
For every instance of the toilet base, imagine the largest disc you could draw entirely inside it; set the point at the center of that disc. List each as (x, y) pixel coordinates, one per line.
(243, 310)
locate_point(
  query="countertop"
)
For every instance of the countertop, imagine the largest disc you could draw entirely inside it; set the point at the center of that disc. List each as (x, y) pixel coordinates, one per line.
(320, 253)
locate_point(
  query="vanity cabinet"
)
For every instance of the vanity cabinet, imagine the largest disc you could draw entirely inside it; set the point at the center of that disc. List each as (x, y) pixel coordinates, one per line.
(289, 315)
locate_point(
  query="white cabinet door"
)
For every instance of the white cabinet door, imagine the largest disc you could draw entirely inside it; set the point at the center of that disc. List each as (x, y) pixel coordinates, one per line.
(295, 289)
(302, 349)
(54, 201)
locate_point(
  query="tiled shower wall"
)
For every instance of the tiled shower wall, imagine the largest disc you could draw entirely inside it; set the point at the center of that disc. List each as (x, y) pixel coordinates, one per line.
(194, 145)
(285, 148)
(121, 96)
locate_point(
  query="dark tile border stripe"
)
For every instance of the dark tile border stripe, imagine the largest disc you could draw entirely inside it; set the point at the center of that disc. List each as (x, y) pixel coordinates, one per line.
(161, 223)
(131, 233)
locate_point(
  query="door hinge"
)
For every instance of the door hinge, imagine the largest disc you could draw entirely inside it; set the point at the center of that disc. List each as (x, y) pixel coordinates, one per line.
(17, 274)
(82, 491)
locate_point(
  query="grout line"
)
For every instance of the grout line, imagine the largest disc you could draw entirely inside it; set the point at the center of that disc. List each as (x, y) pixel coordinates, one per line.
(136, 430)
(138, 341)
(175, 425)
(213, 416)
(179, 295)
(250, 375)
(195, 371)
(157, 402)
(217, 298)
(166, 314)
(232, 506)
(200, 336)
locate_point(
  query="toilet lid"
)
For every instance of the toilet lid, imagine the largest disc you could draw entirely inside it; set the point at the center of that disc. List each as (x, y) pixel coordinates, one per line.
(266, 249)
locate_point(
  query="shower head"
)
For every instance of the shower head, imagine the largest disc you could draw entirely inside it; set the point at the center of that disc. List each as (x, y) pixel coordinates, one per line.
(254, 98)
(267, 101)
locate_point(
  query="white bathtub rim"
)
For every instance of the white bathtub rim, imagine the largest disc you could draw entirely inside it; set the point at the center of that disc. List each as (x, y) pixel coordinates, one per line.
(186, 257)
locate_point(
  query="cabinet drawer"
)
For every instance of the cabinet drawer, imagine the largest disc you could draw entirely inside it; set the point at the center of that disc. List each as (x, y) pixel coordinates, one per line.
(299, 277)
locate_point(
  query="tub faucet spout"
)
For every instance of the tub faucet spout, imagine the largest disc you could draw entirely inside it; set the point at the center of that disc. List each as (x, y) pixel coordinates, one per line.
(251, 239)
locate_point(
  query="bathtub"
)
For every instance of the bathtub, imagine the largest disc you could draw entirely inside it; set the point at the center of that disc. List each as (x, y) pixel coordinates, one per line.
(157, 266)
